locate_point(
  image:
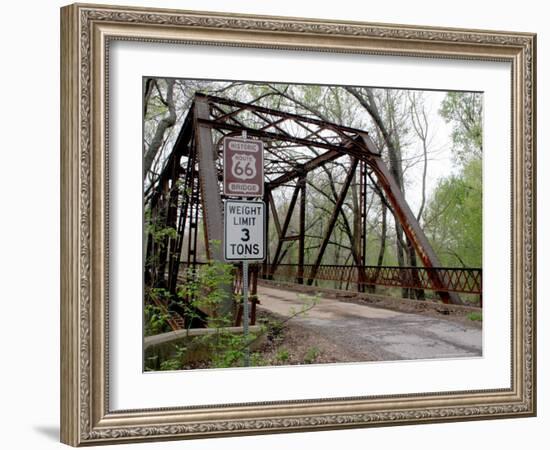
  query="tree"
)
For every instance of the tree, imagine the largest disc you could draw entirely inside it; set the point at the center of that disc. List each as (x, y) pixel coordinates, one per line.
(453, 217)
(464, 111)
(396, 121)
(388, 110)
(166, 100)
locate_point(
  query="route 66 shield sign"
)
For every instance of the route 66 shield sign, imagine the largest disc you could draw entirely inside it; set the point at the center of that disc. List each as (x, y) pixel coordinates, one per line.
(243, 167)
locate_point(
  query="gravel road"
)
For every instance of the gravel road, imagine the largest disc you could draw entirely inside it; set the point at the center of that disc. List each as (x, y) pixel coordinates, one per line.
(367, 333)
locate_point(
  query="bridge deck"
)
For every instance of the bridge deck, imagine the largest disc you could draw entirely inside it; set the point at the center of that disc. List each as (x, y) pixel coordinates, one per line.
(372, 333)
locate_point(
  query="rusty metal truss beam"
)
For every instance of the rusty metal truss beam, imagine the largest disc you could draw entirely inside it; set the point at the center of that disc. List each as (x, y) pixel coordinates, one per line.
(332, 221)
(297, 145)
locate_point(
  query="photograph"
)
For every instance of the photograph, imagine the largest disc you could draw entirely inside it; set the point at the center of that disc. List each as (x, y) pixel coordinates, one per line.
(296, 224)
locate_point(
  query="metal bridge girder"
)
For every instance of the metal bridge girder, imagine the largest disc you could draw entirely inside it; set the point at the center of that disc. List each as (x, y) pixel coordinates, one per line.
(411, 227)
(209, 113)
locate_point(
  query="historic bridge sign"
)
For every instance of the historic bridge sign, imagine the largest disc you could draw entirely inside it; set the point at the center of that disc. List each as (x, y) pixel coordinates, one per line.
(243, 167)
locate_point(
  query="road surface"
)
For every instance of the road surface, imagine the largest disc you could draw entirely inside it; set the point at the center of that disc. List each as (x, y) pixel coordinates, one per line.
(370, 333)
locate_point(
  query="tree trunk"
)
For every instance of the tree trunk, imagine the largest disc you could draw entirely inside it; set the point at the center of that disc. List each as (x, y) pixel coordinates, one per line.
(356, 231)
(166, 123)
(391, 139)
(418, 293)
(382, 251)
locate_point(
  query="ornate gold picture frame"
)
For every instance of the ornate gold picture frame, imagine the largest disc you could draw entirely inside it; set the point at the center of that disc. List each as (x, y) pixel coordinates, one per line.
(87, 32)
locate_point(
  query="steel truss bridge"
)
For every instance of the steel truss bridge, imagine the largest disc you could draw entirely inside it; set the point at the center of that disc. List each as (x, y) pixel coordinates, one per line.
(187, 192)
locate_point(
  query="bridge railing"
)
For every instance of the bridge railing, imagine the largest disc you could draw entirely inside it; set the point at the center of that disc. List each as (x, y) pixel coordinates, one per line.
(452, 279)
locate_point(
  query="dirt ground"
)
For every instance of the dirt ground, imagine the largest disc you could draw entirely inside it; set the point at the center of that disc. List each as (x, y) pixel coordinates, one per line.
(298, 345)
(359, 329)
(350, 327)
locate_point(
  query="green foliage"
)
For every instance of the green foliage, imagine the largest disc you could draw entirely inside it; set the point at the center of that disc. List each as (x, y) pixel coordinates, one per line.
(226, 349)
(311, 355)
(463, 111)
(453, 217)
(222, 348)
(177, 362)
(475, 317)
(282, 356)
(274, 330)
(257, 360)
(159, 236)
(170, 364)
(156, 229)
(156, 320)
(312, 94)
(207, 290)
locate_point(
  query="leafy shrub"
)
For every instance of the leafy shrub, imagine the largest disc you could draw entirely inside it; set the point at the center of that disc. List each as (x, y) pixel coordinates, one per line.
(283, 355)
(311, 355)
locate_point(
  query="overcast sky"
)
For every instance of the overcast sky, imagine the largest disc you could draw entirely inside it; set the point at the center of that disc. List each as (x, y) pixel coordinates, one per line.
(440, 158)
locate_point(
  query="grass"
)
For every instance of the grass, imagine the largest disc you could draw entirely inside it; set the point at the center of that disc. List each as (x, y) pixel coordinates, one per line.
(311, 355)
(475, 316)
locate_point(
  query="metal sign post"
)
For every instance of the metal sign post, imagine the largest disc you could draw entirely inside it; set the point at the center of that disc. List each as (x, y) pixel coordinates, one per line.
(244, 220)
(245, 282)
(245, 314)
(244, 240)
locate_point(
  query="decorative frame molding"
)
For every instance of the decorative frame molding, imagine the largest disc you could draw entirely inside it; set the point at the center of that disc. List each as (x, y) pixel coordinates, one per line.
(86, 31)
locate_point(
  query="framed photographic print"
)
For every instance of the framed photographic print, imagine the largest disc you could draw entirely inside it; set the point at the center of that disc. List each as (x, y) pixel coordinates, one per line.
(276, 224)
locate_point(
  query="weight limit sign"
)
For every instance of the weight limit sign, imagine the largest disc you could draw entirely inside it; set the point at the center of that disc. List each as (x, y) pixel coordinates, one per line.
(244, 230)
